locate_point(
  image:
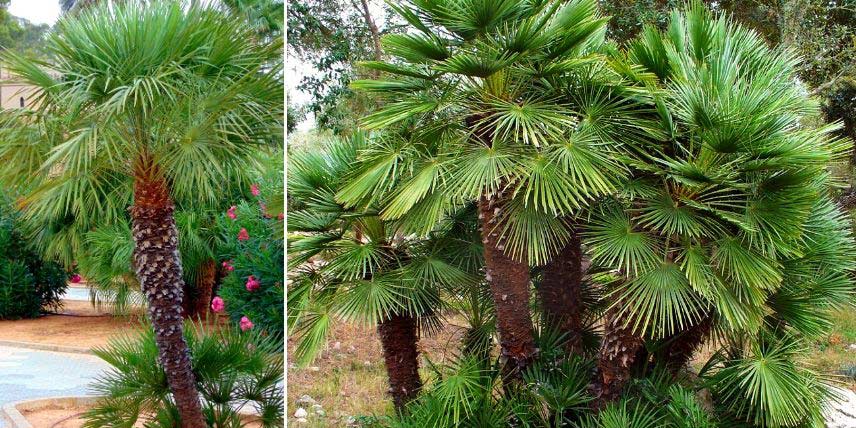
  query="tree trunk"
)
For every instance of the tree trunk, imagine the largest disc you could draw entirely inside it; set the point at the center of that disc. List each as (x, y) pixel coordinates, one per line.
(205, 288)
(560, 293)
(618, 351)
(398, 338)
(509, 285)
(373, 30)
(681, 347)
(158, 267)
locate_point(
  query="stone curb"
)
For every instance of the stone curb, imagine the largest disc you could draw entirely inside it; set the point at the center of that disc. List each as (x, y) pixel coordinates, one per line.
(11, 413)
(45, 347)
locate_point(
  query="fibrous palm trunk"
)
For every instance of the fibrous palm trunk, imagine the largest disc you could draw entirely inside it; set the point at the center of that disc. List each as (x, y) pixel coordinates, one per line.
(680, 348)
(158, 268)
(560, 293)
(399, 338)
(205, 287)
(619, 349)
(509, 285)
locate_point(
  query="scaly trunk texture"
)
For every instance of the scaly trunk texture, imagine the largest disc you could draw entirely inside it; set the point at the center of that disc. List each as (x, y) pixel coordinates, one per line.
(560, 293)
(681, 347)
(509, 285)
(205, 288)
(618, 351)
(398, 338)
(158, 268)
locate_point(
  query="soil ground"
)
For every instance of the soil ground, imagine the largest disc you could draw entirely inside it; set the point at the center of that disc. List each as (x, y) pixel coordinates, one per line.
(79, 325)
(71, 417)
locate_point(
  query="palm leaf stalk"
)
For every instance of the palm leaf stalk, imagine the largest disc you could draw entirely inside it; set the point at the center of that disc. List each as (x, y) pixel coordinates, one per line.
(169, 96)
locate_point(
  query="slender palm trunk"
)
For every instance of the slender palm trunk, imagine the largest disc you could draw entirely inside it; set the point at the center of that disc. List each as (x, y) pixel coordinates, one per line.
(158, 268)
(205, 288)
(509, 285)
(398, 338)
(681, 347)
(560, 293)
(618, 351)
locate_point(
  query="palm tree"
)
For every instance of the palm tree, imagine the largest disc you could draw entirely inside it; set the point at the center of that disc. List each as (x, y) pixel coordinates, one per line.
(349, 265)
(163, 101)
(717, 228)
(509, 106)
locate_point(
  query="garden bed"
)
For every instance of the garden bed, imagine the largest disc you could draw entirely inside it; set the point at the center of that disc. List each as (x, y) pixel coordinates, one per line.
(78, 325)
(71, 416)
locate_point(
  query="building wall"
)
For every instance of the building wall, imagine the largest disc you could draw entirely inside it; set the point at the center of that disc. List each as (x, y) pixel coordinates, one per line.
(14, 94)
(12, 90)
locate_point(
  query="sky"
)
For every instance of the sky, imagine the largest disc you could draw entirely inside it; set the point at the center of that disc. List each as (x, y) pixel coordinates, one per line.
(36, 11)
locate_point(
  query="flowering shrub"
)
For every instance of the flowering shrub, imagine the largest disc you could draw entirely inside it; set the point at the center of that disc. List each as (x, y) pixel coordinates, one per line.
(252, 256)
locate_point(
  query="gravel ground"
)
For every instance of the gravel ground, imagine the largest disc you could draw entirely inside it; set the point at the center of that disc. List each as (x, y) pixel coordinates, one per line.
(842, 414)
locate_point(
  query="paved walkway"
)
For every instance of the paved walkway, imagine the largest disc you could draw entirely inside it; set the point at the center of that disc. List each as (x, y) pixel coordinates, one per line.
(30, 374)
(82, 293)
(76, 293)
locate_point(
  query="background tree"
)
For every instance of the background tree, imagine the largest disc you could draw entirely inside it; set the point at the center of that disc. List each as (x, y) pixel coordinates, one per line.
(331, 37)
(137, 119)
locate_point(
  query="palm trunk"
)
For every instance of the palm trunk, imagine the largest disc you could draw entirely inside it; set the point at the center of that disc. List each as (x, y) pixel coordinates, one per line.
(158, 269)
(205, 288)
(681, 347)
(509, 285)
(560, 293)
(618, 351)
(398, 338)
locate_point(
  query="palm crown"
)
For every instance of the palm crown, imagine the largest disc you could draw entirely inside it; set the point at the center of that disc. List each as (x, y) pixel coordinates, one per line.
(193, 83)
(727, 211)
(489, 98)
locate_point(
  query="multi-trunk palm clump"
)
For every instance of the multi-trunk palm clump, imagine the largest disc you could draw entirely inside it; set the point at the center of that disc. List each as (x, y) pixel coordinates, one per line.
(679, 180)
(509, 106)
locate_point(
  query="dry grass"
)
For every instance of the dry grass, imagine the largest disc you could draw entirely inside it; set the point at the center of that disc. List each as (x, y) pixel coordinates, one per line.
(836, 353)
(348, 378)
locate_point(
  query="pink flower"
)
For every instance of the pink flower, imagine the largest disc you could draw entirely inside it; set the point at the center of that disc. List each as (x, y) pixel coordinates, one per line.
(281, 216)
(252, 283)
(227, 264)
(75, 279)
(254, 189)
(217, 304)
(231, 212)
(243, 235)
(246, 324)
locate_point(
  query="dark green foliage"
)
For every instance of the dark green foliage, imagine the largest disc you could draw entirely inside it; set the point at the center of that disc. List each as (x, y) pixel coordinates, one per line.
(261, 256)
(234, 370)
(28, 284)
(18, 297)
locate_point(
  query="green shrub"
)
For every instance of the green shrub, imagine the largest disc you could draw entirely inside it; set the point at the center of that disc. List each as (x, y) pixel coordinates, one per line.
(234, 370)
(28, 284)
(260, 256)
